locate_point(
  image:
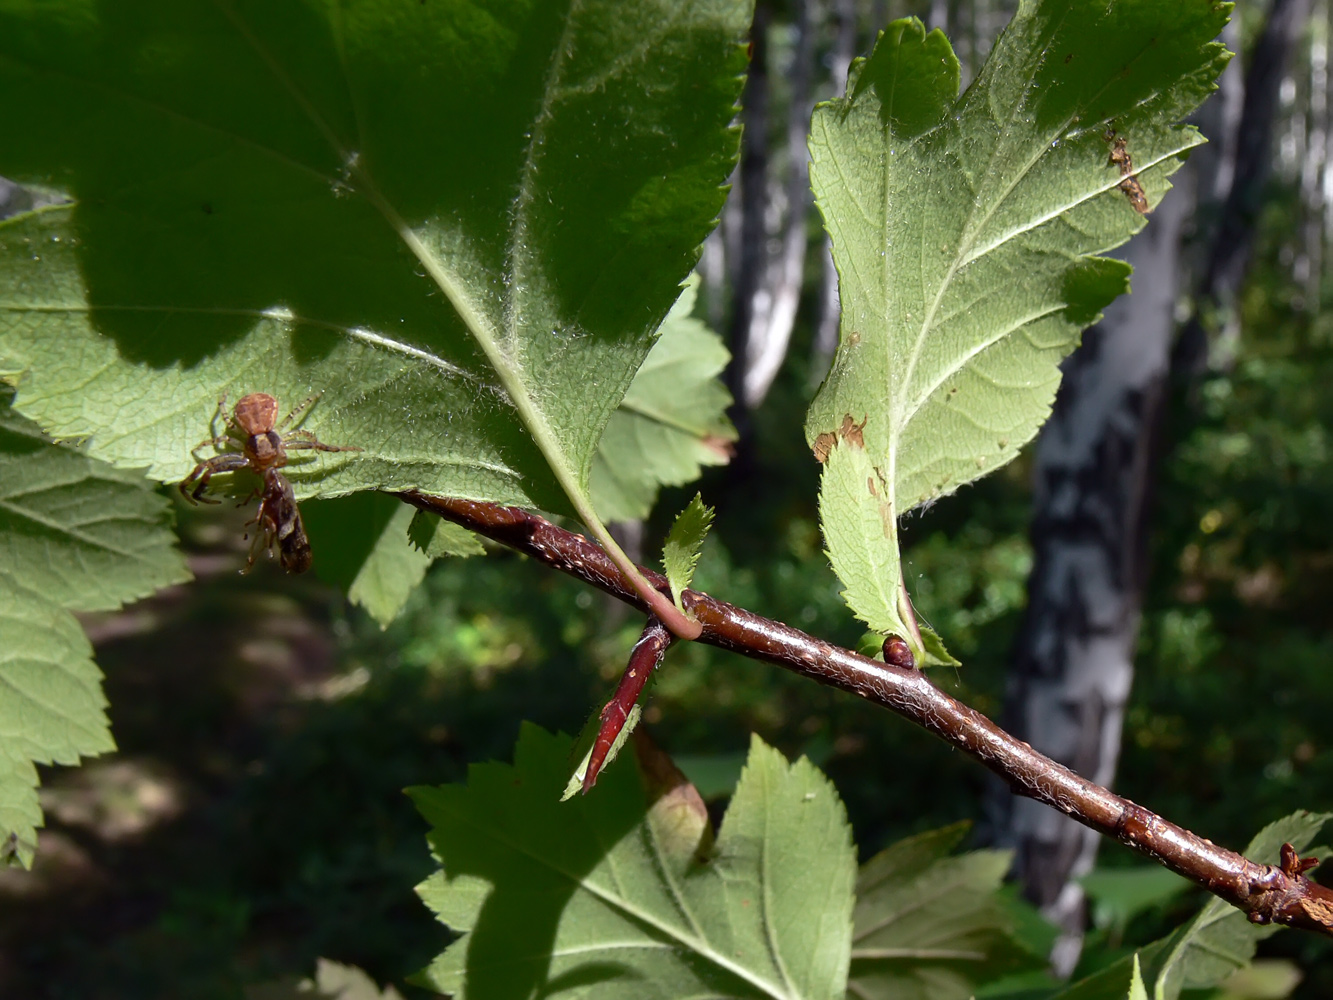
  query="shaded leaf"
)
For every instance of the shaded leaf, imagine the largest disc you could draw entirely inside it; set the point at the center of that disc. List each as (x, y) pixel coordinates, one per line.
(437, 537)
(392, 570)
(463, 230)
(931, 926)
(623, 893)
(1120, 894)
(966, 233)
(82, 534)
(671, 422)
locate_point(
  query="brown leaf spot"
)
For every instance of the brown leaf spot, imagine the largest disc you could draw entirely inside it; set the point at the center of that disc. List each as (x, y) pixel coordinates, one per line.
(823, 445)
(850, 431)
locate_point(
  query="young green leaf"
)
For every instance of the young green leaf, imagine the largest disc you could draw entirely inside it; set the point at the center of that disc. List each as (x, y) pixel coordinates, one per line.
(625, 889)
(966, 232)
(464, 232)
(75, 534)
(929, 926)
(671, 422)
(684, 543)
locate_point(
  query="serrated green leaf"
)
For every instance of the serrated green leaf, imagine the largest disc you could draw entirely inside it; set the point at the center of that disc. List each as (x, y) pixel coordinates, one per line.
(620, 894)
(966, 233)
(671, 422)
(437, 537)
(933, 653)
(933, 927)
(684, 543)
(461, 225)
(75, 534)
(1220, 939)
(53, 710)
(80, 533)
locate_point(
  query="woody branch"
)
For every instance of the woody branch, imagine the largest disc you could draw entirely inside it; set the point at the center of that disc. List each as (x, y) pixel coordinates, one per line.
(1267, 893)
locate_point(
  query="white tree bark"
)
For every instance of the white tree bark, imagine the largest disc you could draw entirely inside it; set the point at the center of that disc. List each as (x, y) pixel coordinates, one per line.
(1074, 663)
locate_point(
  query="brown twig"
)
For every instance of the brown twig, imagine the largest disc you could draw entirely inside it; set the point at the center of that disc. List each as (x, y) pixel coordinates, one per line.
(644, 658)
(1279, 894)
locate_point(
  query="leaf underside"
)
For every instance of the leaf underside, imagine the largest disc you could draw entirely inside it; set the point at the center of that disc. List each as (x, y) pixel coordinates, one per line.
(623, 893)
(966, 232)
(459, 223)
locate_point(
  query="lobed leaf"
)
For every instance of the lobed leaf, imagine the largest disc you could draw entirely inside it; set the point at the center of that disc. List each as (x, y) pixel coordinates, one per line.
(672, 421)
(624, 893)
(461, 223)
(75, 534)
(967, 233)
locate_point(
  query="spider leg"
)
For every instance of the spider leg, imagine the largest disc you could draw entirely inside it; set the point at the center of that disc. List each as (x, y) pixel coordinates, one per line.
(305, 439)
(298, 411)
(204, 471)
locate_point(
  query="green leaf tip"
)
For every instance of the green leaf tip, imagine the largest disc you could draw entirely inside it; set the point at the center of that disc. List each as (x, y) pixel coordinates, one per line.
(684, 543)
(969, 234)
(631, 886)
(1136, 987)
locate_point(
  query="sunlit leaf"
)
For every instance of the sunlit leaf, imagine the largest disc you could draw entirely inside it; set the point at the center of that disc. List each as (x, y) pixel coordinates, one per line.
(966, 232)
(671, 422)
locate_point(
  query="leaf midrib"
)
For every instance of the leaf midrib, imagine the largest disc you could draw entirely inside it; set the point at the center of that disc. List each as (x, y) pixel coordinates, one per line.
(697, 946)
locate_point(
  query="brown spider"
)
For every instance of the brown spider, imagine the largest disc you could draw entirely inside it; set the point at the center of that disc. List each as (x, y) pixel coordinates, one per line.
(279, 521)
(264, 445)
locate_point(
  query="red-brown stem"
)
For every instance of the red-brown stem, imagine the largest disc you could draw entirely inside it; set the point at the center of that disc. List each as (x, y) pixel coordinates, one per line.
(643, 660)
(1266, 892)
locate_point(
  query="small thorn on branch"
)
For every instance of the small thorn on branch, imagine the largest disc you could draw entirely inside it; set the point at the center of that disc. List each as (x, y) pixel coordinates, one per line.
(1293, 864)
(643, 660)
